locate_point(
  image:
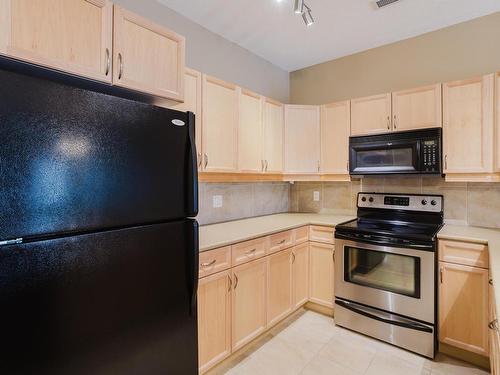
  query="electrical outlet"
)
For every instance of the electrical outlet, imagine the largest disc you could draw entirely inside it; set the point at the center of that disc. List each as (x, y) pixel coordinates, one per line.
(316, 196)
(217, 201)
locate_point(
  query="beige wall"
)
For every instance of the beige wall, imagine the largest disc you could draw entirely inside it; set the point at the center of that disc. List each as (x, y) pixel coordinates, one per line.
(475, 204)
(460, 51)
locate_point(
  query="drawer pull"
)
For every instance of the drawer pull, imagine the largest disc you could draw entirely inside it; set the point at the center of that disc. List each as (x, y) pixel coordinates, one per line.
(490, 281)
(251, 252)
(235, 281)
(208, 264)
(282, 242)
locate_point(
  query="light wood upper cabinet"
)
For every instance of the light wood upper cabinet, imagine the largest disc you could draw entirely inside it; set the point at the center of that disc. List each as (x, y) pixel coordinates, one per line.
(220, 123)
(250, 133)
(468, 134)
(371, 115)
(300, 274)
(248, 302)
(192, 103)
(302, 139)
(214, 319)
(418, 108)
(321, 268)
(273, 136)
(147, 57)
(335, 131)
(463, 307)
(74, 36)
(279, 286)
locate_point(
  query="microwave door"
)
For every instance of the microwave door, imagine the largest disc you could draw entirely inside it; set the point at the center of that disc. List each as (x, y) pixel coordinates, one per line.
(396, 157)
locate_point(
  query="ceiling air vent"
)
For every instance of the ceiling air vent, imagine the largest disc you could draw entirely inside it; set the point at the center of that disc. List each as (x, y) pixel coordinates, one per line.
(383, 3)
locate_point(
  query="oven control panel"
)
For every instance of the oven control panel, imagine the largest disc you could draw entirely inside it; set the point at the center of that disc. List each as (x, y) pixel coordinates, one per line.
(424, 203)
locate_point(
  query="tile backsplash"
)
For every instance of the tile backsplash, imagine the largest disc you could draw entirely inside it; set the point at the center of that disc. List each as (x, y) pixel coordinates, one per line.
(242, 200)
(475, 204)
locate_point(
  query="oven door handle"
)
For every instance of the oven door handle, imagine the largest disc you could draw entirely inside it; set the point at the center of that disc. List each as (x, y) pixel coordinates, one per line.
(384, 317)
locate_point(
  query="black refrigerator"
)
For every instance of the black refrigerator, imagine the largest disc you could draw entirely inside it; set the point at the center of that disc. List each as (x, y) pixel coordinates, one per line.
(98, 248)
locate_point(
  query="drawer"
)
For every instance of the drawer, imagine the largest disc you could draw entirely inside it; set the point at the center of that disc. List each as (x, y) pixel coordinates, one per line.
(246, 251)
(281, 241)
(301, 235)
(321, 234)
(465, 253)
(213, 261)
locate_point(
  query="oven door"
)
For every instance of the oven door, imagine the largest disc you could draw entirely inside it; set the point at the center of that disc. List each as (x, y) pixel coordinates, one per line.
(384, 157)
(397, 280)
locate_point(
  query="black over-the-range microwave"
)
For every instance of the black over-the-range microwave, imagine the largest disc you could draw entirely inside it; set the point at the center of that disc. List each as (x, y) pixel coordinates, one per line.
(407, 152)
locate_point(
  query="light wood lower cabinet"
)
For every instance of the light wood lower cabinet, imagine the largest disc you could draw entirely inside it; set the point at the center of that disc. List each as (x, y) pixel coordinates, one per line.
(463, 307)
(300, 274)
(214, 319)
(74, 36)
(321, 263)
(279, 286)
(248, 302)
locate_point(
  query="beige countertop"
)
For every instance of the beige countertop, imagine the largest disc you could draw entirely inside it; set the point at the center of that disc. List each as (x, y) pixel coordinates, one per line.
(223, 234)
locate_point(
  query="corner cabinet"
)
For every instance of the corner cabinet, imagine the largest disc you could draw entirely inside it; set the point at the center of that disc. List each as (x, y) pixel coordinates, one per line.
(302, 139)
(468, 129)
(273, 136)
(147, 57)
(220, 125)
(250, 137)
(74, 36)
(335, 131)
(371, 115)
(417, 108)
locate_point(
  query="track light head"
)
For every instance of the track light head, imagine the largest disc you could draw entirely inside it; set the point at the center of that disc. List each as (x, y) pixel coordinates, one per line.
(299, 7)
(307, 16)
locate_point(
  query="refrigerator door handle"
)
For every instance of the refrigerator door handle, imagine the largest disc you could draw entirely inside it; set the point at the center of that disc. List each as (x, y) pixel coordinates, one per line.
(192, 185)
(195, 271)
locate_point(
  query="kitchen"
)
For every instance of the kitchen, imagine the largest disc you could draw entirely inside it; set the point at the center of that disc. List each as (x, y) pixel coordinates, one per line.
(316, 210)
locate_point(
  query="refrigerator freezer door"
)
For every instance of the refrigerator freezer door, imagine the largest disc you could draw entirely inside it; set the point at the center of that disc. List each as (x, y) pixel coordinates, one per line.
(118, 302)
(77, 160)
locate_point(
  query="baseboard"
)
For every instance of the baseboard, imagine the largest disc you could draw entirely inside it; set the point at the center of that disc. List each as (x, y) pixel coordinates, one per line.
(328, 311)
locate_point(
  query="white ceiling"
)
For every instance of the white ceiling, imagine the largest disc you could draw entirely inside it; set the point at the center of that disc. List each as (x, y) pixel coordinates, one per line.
(270, 29)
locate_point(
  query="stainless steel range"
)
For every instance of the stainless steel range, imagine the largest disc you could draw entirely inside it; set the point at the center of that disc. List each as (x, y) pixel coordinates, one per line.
(385, 269)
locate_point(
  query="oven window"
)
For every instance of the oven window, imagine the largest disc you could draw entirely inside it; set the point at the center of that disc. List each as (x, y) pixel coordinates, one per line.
(394, 159)
(380, 270)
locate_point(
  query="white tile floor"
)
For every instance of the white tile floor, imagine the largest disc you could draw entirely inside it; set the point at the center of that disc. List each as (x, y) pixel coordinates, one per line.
(313, 345)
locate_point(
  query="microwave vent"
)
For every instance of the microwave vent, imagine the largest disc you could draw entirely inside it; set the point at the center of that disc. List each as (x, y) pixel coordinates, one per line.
(383, 3)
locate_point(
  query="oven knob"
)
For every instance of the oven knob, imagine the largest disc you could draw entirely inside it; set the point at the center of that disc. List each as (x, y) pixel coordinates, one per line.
(371, 199)
(424, 202)
(433, 202)
(363, 199)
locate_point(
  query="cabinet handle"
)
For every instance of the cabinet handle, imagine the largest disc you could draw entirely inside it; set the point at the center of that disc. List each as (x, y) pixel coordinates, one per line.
(333, 255)
(394, 121)
(108, 61)
(319, 166)
(446, 162)
(250, 252)
(441, 275)
(235, 281)
(388, 122)
(293, 258)
(120, 64)
(206, 159)
(490, 281)
(230, 283)
(493, 325)
(199, 160)
(267, 164)
(262, 165)
(208, 264)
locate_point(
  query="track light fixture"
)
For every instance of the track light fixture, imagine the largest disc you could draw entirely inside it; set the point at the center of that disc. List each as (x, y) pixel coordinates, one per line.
(299, 7)
(305, 11)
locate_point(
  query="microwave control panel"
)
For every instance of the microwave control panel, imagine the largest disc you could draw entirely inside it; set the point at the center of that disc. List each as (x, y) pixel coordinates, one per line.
(431, 155)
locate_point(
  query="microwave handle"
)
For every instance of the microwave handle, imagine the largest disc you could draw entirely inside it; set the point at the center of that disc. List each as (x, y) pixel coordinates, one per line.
(383, 316)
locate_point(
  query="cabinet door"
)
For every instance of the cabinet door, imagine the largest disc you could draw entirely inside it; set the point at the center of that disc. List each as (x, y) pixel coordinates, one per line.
(335, 131)
(220, 120)
(371, 115)
(279, 286)
(497, 124)
(300, 274)
(147, 57)
(74, 36)
(249, 302)
(192, 103)
(273, 136)
(468, 125)
(302, 139)
(494, 334)
(463, 307)
(250, 135)
(214, 319)
(418, 108)
(321, 273)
